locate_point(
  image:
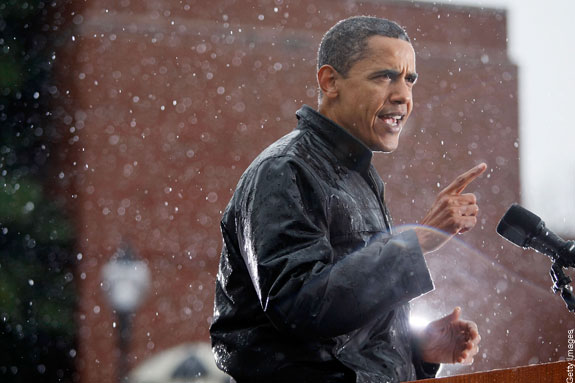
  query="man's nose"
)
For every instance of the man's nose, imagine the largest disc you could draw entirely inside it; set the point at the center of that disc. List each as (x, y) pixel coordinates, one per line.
(400, 92)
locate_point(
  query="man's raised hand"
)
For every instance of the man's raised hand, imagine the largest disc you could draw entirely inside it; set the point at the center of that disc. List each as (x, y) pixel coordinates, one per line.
(451, 213)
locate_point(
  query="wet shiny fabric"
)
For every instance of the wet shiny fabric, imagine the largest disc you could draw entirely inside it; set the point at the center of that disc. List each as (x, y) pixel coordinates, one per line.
(312, 284)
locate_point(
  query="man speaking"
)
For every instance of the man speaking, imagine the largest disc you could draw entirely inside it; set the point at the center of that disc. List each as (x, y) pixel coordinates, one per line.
(313, 285)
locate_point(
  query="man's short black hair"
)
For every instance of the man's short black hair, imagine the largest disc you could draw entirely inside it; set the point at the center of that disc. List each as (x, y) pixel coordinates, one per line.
(346, 42)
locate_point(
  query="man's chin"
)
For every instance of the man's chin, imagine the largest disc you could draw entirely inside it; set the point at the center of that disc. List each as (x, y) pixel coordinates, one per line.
(385, 147)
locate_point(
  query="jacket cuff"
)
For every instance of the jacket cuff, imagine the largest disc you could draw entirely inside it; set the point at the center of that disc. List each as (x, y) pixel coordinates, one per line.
(418, 280)
(424, 370)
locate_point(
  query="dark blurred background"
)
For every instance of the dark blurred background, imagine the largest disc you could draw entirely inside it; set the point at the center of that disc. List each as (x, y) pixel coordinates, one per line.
(37, 287)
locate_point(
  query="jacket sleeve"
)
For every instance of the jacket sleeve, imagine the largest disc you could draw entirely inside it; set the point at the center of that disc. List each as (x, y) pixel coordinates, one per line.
(284, 240)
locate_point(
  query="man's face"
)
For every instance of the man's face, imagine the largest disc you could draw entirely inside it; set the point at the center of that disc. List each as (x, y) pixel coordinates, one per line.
(375, 99)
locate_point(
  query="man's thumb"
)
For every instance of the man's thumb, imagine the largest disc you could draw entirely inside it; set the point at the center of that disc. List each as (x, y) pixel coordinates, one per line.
(454, 316)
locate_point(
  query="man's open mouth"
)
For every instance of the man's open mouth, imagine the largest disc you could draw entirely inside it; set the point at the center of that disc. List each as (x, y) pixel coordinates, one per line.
(392, 119)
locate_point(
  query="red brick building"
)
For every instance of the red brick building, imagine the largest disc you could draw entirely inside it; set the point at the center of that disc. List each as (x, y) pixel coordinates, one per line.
(167, 102)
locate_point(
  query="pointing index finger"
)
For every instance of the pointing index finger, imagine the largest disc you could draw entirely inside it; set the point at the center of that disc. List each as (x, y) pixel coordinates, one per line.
(461, 182)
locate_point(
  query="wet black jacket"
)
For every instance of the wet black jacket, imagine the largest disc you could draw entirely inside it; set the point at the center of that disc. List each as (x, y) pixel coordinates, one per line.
(312, 287)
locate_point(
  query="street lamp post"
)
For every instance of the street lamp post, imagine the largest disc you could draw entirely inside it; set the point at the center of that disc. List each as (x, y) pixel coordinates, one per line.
(126, 281)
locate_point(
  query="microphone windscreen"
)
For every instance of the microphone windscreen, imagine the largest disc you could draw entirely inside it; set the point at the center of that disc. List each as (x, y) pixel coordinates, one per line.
(518, 225)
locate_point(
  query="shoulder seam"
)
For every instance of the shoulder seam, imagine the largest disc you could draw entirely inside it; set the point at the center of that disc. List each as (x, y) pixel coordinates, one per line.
(300, 163)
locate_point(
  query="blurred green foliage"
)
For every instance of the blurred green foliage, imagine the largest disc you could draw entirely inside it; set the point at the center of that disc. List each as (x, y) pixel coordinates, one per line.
(37, 290)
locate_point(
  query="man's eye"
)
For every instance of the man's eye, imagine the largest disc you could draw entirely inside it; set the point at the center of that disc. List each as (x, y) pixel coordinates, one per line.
(385, 76)
(411, 79)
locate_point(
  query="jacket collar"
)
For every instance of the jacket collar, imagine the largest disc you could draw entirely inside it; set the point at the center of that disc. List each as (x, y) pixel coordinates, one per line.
(348, 149)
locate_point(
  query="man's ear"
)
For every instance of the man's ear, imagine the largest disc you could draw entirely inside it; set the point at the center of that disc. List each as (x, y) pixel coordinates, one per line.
(326, 78)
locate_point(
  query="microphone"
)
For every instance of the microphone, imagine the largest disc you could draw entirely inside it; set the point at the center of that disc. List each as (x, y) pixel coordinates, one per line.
(527, 230)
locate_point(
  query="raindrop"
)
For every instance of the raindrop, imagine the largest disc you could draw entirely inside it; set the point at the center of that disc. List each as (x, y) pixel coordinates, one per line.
(212, 197)
(201, 48)
(113, 140)
(28, 207)
(78, 19)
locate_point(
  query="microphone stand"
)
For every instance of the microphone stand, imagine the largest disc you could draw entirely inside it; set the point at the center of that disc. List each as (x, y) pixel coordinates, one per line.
(561, 281)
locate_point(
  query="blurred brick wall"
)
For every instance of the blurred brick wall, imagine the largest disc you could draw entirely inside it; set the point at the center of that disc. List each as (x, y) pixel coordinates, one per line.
(167, 102)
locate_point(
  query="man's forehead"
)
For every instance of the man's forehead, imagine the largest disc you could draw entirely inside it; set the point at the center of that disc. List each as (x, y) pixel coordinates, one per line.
(389, 45)
(390, 51)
